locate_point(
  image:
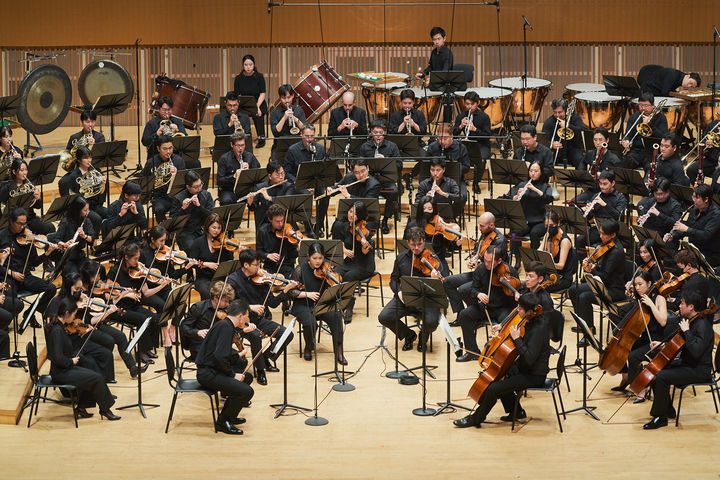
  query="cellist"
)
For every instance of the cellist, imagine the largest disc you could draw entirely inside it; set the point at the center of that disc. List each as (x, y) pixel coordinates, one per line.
(529, 370)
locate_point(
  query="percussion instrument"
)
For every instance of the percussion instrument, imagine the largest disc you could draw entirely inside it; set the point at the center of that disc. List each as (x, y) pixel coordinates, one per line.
(104, 77)
(189, 103)
(45, 96)
(536, 89)
(675, 111)
(318, 90)
(377, 97)
(703, 110)
(598, 109)
(433, 101)
(573, 89)
(493, 101)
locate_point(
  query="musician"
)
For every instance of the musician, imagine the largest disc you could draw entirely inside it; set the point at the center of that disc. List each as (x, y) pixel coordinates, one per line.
(660, 81)
(408, 114)
(154, 130)
(286, 114)
(154, 244)
(305, 301)
(493, 303)
(266, 192)
(459, 286)
(251, 83)
(609, 203)
(607, 158)
(557, 242)
(379, 146)
(10, 305)
(529, 370)
(668, 163)
(76, 227)
(647, 262)
(201, 316)
(532, 151)
(210, 257)
(609, 267)
(358, 257)
(306, 150)
(636, 157)
(230, 164)
(711, 155)
(194, 202)
(218, 366)
(126, 210)
(23, 261)
(161, 201)
(88, 119)
(443, 189)
(661, 209)
(427, 212)
(695, 363)
(688, 263)
(567, 151)
(395, 310)
(368, 187)
(70, 183)
(701, 227)
(535, 276)
(18, 180)
(64, 367)
(226, 123)
(272, 247)
(348, 119)
(441, 60)
(6, 144)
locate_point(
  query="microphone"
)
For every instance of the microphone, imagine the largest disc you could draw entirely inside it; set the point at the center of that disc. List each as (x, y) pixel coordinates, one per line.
(527, 22)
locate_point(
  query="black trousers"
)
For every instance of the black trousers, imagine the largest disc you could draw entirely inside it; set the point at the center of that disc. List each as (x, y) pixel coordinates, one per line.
(473, 317)
(505, 390)
(390, 192)
(458, 288)
(202, 285)
(135, 316)
(90, 384)
(9, 308)
(108, 337)
(97, 214)
(37, 226)
(582, 300)
(321, 208)
(636, 356)
(692, 170)
(536, 231)
(259, 122)
(561, 284)
(350, 273)
(161, 206)
(393, 313)
(666, 377)
(309, 323)
(35, 285)
(266, 325)
(227, 197)
(238, 393)
(4, 344)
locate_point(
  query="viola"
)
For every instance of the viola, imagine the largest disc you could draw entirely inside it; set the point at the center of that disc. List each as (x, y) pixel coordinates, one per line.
(599, 251)
(484, 244)
(40, 241)
(499, 357)
(362, 233)
(673, 285)
(94, 304)
(326, 273)
(426, 262)
(76, 327)
(501, 277)
(289, 234)
(451, 231)
(176, 256)
(229, 244)
(277, 281)
(554, 244)
(152, 274)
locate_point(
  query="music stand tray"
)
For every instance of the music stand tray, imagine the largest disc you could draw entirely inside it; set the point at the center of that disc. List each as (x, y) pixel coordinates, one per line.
(147, 187)
(281, 146)
(176, 304)
(571, 178)
(338, 144)
(174, 225)
(178, 183)
(248, 179)
(529, 255)
(508, 213)
(318, 175)
(447, 82)
(224, 269)
(507, 171)
(57, 209)
(118, 235)
(8, 107)
(630, 182)
(409, 145)
(681, 193)
(371, 204)
(188, 147)
(299, 207)
(43, 170)
(642, 233)
(621, 86)
(383, 169)
(112, 104)
(61, 263)
(109, 155)
(231, 215)
(333, 250)
(571, 217)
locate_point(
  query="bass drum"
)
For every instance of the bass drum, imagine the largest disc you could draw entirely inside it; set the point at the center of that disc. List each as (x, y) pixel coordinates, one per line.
(675, 111)
(318, 90)
(189, 103)
(493, 101)
(104, 77)
(598, 109)
(536, 90)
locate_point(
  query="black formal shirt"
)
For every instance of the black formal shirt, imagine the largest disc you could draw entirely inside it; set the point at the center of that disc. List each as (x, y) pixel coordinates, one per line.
(441, 60)
(20, 253)
(60, 350)
(197, 214)
(446, 184)
(149, 135)
(276, 115)
(672, 169)
(387, 149)
(216, 352)
(115, 220)
(398, 118)
(703, 229)
(362, 261)
(403, 267)
(255, 294)
(456, 152)
(252, 85)
(370, 188)
(534, 346)
(542, 154)
(297, 154)
(338, 115)
(267, 242)
(480, 120)
(662, 81)
(66, 231)
(615, 205)
(99, 138)
(662, 223)
(659, 128)
(697, 352)
(200, 250)
(199, 317)
(480, 282)
(533, 205)
(576, 125)
(69, 184)
(154, 162)
(228, 164)
(221, 120)
(711, 154)
(609, 161)
(260, 203)
(611, 270)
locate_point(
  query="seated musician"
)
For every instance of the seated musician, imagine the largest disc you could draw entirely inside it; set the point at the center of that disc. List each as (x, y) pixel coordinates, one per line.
(23, 261)
(701, 227)
(408, 115)
(286, 116)
(566, 152)
(440, 187)
(695, 363)
(18, 182)
(449, 148)
(75, 227)
(533, 196)
(266, 192)
(493, 303)
(459, 286)
(533, 151)
(201, 316)
(529, 370)
(209, 256)
(219, 366)
(379, 146)
(6, 144)
(272, 246)
(557, 242)
(347, 119)
(154, 128)
(161, 201)
(668, 163)
(304, 301)
(229, 166)
(69, 183)
(87, 137)
(127, 210)
(636, 157)
(535, 276)
(597, 160)
(152, 253)
(647, 259)
(660, 81)
(609, 203)
(426, 214)
(659, 211)
(65, 365)
(688, 265)
(358, 254)
(395, 310)
(194, 202)
(10, 305)
(711, 155)
(609, 267)
(307, 150)
(474, 122)
(231, 121)
(364, 186)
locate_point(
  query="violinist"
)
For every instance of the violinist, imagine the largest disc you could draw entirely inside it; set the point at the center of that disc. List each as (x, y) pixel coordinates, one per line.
(701, 227)
(161, 201)
(647, 261)
(358, 249)
(445, 189)
(533, 151)
(201, 316)
(608, 263)
(265, 192)
(18, 171)
(426, 213)
(219, 366)
(608, 204)
(76, 227)
(695, 364)
(195, 202)
(152, 251)
(273, 247)
(209, 256)
(127, 210)
(690, 277)
(70, 183)
(65, 367)
(393, 312)
(659, 211)
(304, 301)
(559, 245)
(230, 164)
(569, 152)
(529, 370)
(494, 300)
(379, 146)
(10, 306)
(24, 260)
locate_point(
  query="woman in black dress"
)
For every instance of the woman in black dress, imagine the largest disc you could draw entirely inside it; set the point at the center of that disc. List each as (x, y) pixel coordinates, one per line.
(208, 256)
(18, 177)
(75, 227)
(251, 83)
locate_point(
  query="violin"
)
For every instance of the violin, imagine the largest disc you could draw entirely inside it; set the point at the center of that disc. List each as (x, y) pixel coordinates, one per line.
(554, 244)
(426, 262)
(94, 304)
(76, 327)
(153, 274)
(501, 277)
(362, 233)
(101, 288)
(176, 256)
(40, 241)
(289, 234)
(673, 285)
(277, 281)
(451, 231)
(229, 244)
(326, 273)
(499, 357)
(600, 250)
(484, 244)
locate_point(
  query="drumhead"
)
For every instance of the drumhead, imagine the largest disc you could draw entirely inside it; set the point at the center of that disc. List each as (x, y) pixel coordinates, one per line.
(103, 77)
(419, 92)
(586, 87)
(669, 101)
(384, 86)
(597, 97)
(515, 83)
(485, 92)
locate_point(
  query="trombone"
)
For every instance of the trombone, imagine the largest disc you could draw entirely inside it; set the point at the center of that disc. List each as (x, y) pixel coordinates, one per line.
(714, 138)
(644, 129)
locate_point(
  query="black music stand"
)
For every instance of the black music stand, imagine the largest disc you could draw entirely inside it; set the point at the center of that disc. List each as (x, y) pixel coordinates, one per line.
(508, 213)
(621, 86)
(447, 82)
(60, 265)
(575, 179)
(188, 147)
(316, 175)
(42, 170)
(456, 346)
(147, 187)
(111, 105)
(589, 340)
(109, 155)
(248, 179)
(174, 225)
(659, 245)
(247, 105)
(630, 182)
(281, 407)
(383, 169)
(299, 207)
(409, 145)
(25, 201)
(231, 215)
(703, 265)
(224, 269)
(8, 107)
(507, 172)
(682, 193)
(116, 236)
(572, 218)
(281, 146)
(178, 183)
(529, 255)
(176, 304)
(333, 251)
(133, 345)
(57, 209)
(444, 210)
(423, 293)
(344, 147)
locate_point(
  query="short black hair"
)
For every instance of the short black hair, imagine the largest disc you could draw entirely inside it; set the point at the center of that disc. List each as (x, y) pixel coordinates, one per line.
(607, 175)
(273, 167)
(609, 226)
(231, 96)
(377, 123)
(286, 89)
(438, 161)
(694, 298)
(191, 177)
(275, 210)
(88, 115)
(704, 191)
(162, 139)
(165, 100)
(435, 30)
(661, 183)
(316, 247)
(407, 93)
(559, 102)
(528, 301)
(696, 77)
(131, 188)
(529, 129)
(16, 213)
(602, 131)
(360, 162)
(538, 268)
(672, 138)
(647, 97)
(248, 256)
(239, 306)
(472, 96)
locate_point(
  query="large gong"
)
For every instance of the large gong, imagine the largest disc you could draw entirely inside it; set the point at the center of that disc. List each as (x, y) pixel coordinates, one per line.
(103, 77)
(45, 96)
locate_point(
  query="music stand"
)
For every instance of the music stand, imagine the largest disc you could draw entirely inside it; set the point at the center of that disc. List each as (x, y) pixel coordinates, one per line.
(111, 105)
(383, 169)
(423, 293)
(682, 193)
(231, 215)
(703, 265)
(659, 244)
(118, 235)
(630, 182)
(178, 183)
(299, 207)
(224, 269)
(8, 107)
(333, 251)
(621, 86)
(575, 179)
(345, 146)
(42, 170)
(371, 204)
(507, 172)
(285, 405)
(452, 342)
(188, 147)
(281, 146)
(176, 304)
(409, 145)
(60, 265)
(57, 209)
(603, 297)
(109, 155)
(247, 180)
(529, 255)
(316, 175)
(133, 345)
(592, 341)
(572, 218)
(508, 213)
(174, 225)
(25, 201)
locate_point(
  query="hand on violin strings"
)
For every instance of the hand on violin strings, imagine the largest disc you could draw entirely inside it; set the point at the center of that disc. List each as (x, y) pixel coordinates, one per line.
(435, 274)
(496, 328)
(259, 309)
(647, 301)
(202, 333)
(251, 327)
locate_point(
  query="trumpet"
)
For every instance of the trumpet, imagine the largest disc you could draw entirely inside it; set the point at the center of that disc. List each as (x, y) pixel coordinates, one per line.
(91, 183)
(408, 124)
(348, 118)
(26, 187)
(467, 126)
(167, 129)
(294, 130)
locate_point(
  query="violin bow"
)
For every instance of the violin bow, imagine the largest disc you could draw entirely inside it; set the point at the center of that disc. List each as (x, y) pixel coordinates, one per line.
(31, 245)
(220, 250)
(273, 277)
(217, 307)
(8, 262)
(87, 307)
(492, 267)
(262, 350)
(652, 250)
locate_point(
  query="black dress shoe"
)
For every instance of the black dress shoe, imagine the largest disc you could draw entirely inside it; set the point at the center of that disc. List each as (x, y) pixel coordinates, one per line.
(656, 423)
(408, 345)
(110, 415)
(135, 369)
(466, 422)
(467, 357)
(672, 413)
(620, 388)
(420, 346)
(237, 421)
(271, 368)
(639, 400)
(82, 413)
(385, 228)
(112, 380)
(151, 355)
(261, 378)
(520, 415)
(307, 353)
(227, 427)
(260, 144)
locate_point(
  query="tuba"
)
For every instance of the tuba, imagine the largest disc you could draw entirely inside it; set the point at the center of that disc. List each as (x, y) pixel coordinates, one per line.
(163, 174)
(91, 183)
(167, 130)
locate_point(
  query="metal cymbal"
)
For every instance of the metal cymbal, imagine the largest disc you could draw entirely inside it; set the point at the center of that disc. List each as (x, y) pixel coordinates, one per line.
(103, 77)
(45, 96)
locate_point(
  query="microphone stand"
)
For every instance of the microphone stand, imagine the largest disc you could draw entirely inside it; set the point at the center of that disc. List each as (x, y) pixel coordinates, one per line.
(138, 167)
(523, 83)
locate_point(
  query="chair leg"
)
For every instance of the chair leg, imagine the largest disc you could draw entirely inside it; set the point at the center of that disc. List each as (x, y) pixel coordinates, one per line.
(75, 405)
(514, 412)
(367, 298)
(677, 414)
(212, 410)
(557, 414)
(382, 297)
(561, 402)
(172, 409)
(712, 392)
(35, 397)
